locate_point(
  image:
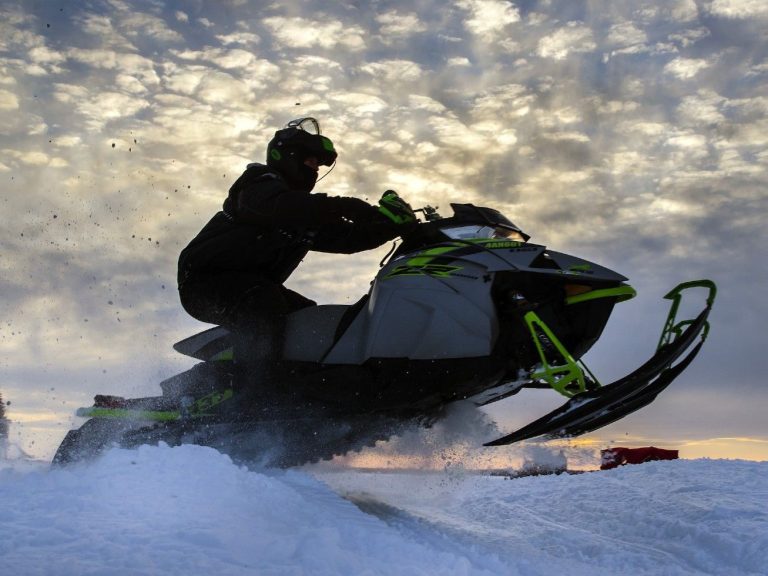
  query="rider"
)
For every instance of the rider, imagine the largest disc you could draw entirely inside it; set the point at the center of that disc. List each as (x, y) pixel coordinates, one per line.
(232, 272)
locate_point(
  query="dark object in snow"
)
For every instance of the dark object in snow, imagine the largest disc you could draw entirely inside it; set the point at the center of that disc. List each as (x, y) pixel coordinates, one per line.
(615, 457)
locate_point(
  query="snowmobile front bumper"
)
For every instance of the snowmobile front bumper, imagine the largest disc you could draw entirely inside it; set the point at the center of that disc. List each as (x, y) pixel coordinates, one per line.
(592, 409)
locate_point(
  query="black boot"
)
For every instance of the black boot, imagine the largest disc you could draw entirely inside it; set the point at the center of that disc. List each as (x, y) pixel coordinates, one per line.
(257, 354)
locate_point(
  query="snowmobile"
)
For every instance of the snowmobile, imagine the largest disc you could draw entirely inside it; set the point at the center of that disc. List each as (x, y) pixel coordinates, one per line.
(464, 309)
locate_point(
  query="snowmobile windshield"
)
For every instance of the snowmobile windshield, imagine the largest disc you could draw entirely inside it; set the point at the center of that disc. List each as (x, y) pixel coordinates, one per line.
(308, 124)
(481, 222)
(478, 231)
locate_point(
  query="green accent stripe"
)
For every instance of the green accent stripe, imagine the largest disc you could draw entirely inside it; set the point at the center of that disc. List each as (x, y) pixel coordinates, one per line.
(462, 247)
(428, 255)
(621, 293)
(224, 355)
(126, 414)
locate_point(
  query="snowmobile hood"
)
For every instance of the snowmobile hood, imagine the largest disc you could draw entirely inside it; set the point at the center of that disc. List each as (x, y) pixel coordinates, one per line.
(492, 255)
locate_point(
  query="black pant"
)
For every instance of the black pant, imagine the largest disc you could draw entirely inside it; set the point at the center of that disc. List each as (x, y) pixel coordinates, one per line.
(237, 300)
(254, 309)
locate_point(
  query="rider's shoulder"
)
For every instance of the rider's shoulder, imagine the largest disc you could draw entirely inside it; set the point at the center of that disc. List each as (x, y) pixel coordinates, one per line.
(260, 173)
(262, 170)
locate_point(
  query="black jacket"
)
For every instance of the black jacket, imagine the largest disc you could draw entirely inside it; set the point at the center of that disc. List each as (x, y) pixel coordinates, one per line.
(267, 228)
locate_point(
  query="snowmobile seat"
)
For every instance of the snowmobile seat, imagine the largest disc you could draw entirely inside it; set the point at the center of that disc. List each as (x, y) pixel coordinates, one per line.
(206, 345)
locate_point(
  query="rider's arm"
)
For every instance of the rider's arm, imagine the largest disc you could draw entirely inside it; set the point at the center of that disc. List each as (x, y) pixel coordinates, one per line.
(268, 201)
(355, 236)
(341, 224)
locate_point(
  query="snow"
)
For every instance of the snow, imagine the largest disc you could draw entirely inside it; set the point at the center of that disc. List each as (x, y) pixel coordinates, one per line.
(191, 510)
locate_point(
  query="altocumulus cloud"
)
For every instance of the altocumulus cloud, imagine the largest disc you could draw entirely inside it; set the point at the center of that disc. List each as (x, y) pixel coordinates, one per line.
(632, 133)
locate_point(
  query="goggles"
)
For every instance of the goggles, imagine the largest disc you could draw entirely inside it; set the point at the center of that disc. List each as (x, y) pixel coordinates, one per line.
(308, 124)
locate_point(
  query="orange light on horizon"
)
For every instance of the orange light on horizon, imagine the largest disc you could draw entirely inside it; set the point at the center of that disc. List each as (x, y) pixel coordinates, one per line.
(755, 449)
(582, 454)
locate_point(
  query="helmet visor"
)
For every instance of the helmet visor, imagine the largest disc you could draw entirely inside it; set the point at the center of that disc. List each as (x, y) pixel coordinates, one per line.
(309, 125)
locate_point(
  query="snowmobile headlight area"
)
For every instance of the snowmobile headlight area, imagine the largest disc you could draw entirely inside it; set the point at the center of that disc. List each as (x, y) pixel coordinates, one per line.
(477, 231)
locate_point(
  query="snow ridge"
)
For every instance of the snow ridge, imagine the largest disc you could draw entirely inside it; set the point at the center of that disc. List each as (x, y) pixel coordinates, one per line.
(191, 510)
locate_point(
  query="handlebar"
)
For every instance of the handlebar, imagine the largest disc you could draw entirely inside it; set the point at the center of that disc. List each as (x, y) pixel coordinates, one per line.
(430, 213)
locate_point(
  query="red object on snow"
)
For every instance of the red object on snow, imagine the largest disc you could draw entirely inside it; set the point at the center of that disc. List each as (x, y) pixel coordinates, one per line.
(614, 457)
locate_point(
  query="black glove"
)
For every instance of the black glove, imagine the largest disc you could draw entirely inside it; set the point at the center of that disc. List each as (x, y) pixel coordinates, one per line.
(396, 209)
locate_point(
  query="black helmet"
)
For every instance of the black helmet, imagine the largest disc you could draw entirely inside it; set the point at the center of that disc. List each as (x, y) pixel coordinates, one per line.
(291, 146)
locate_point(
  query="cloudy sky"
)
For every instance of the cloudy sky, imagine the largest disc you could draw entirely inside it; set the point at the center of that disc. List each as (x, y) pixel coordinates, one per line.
(632, 133)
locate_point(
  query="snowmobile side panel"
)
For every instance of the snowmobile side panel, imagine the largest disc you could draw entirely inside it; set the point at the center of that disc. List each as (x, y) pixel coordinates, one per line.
(427, 313)
(310, 332)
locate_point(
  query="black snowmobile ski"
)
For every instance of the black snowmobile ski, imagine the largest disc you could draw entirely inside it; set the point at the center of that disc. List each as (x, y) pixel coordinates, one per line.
(593, 409)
